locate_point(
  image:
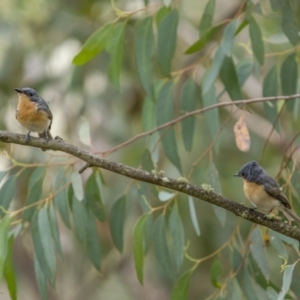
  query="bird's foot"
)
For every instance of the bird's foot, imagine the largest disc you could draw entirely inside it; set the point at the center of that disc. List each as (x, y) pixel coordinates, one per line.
(27, 139)
(272, 216)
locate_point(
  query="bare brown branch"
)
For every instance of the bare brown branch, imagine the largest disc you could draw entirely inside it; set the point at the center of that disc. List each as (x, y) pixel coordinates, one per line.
(177, 185)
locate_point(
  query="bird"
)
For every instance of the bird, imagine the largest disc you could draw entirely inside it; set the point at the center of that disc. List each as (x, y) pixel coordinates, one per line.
(34, 113)
(264, 192)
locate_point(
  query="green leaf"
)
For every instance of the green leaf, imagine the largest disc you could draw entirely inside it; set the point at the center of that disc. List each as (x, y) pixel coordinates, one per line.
(230, 80)
(138, 246)
(178, 239)
(289, 78)
(163, 11)
(215, 272)
(194, 215)
(80, 217)
(4, 242)
(241, 26)
(94, 196)
(39, 249)
(46, 240)
(211, 116)
(61, 202)
(166, 44)
(244, 70)
(144, 49)
(9, 273)
(181, 288)
(146, 161)
(116, 222)
(212, 73)
(115, 47)
(161, 248)
(289, 23)
(148, 114)
(40, 278)
(93, 245)
(7, 193)
(93, 45)
(213, 180)
(164, 114)
(286, 282)
(54, 227)
(256, 41)
(270, 88)
(188, 104)
(277, 244)
(35, 186)
(258, 252)
(207, 17)
(204, 40)
(290, 241)
(228, 37)
(77, 186)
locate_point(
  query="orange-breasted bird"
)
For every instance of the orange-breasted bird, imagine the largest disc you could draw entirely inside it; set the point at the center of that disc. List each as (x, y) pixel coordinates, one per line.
(264, 192)
(34, 113)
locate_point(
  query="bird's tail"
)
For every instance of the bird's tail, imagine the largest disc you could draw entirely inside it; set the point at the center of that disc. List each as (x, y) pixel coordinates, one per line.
(45, 135)
(291, 215)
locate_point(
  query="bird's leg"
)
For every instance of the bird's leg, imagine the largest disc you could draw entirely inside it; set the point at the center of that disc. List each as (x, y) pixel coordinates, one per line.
(272, 216)
(47, 136)
(27, 139)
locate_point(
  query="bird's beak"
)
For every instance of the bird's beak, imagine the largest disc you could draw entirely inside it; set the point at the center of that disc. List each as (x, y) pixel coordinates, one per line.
(20, 91)
(236, 175)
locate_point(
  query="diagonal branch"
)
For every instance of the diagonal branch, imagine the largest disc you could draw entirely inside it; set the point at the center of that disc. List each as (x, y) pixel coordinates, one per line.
(177, 185)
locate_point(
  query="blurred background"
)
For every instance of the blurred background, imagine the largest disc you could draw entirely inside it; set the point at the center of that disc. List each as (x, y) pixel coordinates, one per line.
(39, 39)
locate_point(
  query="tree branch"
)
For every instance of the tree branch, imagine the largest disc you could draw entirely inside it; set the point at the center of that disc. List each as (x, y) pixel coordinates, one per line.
(177, 185)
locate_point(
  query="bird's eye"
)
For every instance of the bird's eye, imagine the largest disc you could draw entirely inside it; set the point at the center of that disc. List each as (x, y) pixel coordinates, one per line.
(30, 94)
(243, 174)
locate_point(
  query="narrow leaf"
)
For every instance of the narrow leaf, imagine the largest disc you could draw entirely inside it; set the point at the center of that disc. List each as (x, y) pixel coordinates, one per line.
(61, 202)
(215, 272)
(212, 73)
(148, 114)
(258, 252)
(115, 47)
(41, 279)
(256, 41)
(146, 161)
(270, 88)
(144, 49)
(289, 78)
(165, 113)
(46, 239)
(181, 288)
(77, 186)
(244, 70)
(178, 239)
(54, 227)
(242, 136)
(80, 217)
(289, 23)
(286, 282)
(39, 249)
(163, 11)
(194, 215)
(230, 80)
(204, 39)
(211, 116)
(278, 244)
(116, 222)
(290, 241)
(93, 245)
(94, 195)
(4, 242)
(228, 37)
(34, 192)
(138, 246)
(93, 45)
(214, 181)
(161, 247)
(207, 17)
(9, 272)
(166, 44)
(188, 104)
(7, 193)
